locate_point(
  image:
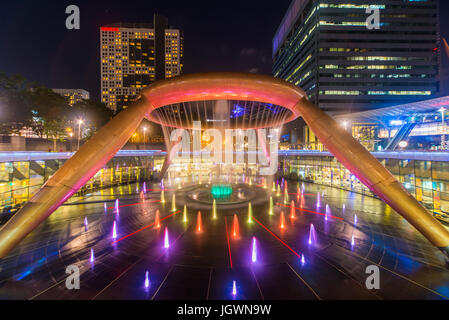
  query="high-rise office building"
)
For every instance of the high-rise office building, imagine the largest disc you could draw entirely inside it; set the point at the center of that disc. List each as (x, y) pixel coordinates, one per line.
(326, 48)
(73, 95)
(133, 55)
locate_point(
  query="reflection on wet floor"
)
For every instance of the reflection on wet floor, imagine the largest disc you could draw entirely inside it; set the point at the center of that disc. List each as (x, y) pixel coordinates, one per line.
(311, 242)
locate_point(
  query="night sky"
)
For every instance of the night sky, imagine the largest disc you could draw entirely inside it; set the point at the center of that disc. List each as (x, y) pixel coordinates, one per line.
(224, 35)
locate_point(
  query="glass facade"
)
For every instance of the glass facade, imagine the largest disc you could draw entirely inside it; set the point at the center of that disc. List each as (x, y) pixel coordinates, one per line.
(20, 180)
(326, 48)
(427, 180)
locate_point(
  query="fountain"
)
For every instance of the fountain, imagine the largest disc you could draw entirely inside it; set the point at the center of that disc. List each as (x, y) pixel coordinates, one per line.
(173, 203)
(86, 224)
(254, 251)
(250, 213)
(214, 210)
(292, 210)
(282, 220)
(166, 241)
(355, 219)
(285, 198)
(199, 224)
(144, 187)
(114, 230)
(105, 207)
(278, 193)
(147, 280)
(274, 187)
(328, 212)
(312, 234)
(235, 226)
(318, 200)
(303, 260)
(303, 201)
(234, 288)
(352, 241)
(117, 206)
(221, 191)
(162, 196)
(271, 209)
(157, 223)
(92, 256)
(184, 219)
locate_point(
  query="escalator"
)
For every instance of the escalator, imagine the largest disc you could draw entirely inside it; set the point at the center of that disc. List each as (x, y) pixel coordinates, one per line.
(402, 134)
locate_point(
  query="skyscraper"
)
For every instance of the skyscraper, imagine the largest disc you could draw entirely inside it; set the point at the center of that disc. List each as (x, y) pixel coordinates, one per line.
(133, 55)
(326, 48)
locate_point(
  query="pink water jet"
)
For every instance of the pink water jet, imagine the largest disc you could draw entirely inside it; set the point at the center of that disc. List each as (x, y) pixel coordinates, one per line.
(166, 240)
(114, 230)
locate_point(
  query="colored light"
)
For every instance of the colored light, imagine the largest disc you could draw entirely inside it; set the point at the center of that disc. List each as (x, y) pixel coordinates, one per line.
(173, 203)
(312, 235)
(250, 213)
(352, 240)
(318, 200)
(166, 240)
(86, 224)
(234, 288)
(282, 220)
(303, 260)
(271, 209)
(214, 210)
(157, 223)
(105, 207)
(355, 219)
(116, 206)
(328, 212)
(114, 231)
(254, 251)
(235, 226)
(292, 210)
(184, 219)
(221, 191)
(303, 201)
(162, 196)
(199, 224)
(147, 280)
(145, 187)
(92, 257)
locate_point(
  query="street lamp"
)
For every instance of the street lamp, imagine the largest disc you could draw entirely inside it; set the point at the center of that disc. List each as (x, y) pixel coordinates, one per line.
(80, 122)
(71, 140)
(144, 137)
(443, 129)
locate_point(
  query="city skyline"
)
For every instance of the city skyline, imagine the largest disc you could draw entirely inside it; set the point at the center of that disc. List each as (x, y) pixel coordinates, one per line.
(217, 37)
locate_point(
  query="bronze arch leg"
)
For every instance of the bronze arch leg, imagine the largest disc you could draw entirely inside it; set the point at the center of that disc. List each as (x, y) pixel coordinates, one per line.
(372, 173)
(84, 164)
